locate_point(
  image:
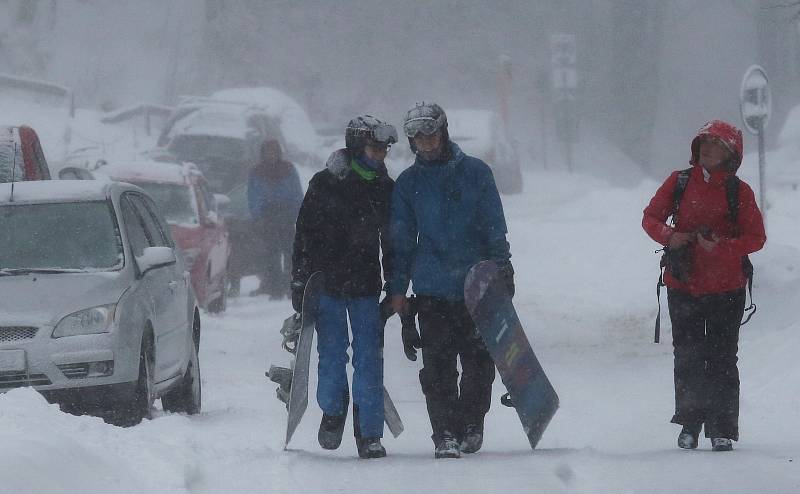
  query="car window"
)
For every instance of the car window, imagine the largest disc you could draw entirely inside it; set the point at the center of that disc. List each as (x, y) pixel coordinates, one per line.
(175, 201)
(69, 235)
(133, 227)
(41, 162)
(158, 221)
(151, 228)
(207, 197)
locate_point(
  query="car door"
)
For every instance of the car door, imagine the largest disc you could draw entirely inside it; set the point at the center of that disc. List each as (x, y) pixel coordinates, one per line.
(149, 289)
(173, 287)
(215, 238)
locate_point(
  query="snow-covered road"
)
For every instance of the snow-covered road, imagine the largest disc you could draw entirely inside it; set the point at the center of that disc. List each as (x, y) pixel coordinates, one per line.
(585, 293)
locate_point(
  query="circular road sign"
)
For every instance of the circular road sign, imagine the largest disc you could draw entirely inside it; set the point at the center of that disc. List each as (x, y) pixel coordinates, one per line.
(755, 99)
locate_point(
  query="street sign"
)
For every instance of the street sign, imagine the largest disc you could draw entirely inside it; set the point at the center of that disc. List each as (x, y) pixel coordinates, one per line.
(755, 103)
(563, 60)
(755, 100)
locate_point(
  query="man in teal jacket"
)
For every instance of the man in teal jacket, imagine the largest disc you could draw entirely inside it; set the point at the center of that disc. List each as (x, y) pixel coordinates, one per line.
(446, 216)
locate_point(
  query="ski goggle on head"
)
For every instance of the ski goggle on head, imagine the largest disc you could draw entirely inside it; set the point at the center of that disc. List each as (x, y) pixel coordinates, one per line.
(423, 119)
(384, 134)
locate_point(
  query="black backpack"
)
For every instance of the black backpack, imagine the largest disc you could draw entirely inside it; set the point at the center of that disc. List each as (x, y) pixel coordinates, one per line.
(732, 195)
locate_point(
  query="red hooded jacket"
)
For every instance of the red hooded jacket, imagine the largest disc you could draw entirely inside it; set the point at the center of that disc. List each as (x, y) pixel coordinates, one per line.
(704, 206)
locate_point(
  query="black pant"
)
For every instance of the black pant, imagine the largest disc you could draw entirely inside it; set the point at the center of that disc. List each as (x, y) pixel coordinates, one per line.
(705, 337)
(276, 252)
(448, 332)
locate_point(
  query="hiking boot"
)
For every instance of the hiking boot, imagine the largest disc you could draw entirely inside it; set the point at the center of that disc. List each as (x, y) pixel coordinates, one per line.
(687, 439)
(447, 447)
(330, 431)
(721, 444)
(370, 447)
(472, 440)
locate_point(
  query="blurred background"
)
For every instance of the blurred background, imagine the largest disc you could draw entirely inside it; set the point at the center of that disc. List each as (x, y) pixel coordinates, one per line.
(647, 73)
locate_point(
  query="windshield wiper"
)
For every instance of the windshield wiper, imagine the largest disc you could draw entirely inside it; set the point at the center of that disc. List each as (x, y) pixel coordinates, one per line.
(19, 271)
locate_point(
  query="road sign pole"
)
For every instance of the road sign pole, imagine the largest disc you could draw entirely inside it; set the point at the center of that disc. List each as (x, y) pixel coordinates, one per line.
(762, 171)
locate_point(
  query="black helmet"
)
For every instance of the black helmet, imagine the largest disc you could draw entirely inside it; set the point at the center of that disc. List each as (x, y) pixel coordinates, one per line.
(365, 128)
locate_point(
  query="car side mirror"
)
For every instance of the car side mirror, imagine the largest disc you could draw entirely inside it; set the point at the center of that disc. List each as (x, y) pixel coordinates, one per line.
(154, 258)
(223, 204)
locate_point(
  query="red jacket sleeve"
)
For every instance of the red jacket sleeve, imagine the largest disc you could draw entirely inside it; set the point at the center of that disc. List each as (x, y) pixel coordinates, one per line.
(656, 213)
(750, 224)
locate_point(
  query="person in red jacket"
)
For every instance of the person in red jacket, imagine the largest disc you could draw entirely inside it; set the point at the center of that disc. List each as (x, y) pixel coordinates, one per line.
(706, 281)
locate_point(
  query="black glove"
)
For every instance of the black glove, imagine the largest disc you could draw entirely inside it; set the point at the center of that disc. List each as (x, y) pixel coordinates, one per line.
(507, 275)
(409, 333)
(298, 289)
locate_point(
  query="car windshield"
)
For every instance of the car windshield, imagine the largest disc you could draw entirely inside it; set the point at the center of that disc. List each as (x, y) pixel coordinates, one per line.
(59, 236)
(175, 201)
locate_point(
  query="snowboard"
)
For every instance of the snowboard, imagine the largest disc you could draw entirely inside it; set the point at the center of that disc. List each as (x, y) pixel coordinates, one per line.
(492, 311)
(298, 338)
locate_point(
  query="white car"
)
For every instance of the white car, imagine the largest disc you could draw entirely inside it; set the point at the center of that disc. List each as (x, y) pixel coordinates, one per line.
(96, 311)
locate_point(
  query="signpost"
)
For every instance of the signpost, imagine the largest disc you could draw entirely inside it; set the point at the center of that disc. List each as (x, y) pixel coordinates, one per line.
(563, 57)
(755, 103)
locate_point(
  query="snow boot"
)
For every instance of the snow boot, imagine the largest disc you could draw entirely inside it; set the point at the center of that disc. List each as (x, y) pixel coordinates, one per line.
(472, 440)
(721, 444)
(447, 446)
(330, 430)
(370, 447)
(687, 439)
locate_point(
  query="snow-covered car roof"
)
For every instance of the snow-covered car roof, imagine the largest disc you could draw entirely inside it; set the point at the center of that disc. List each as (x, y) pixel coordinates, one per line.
(473, 130)
(150, 171)
(61, 190)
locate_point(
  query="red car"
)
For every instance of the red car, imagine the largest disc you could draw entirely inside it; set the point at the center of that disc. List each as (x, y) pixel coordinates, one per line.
(21, 156)
(182, 194)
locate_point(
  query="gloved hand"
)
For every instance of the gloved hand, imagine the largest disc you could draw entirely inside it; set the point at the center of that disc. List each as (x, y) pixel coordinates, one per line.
(507, 274)
(298, 289)
(411, 339)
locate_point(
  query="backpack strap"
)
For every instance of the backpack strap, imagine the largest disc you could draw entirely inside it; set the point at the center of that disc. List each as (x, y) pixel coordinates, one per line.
(732, 195)
(677, 195)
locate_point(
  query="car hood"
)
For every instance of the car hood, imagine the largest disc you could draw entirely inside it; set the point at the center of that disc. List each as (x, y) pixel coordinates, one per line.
(43, 299)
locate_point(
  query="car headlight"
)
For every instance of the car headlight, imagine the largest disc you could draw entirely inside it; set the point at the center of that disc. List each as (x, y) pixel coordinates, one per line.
(88, 321)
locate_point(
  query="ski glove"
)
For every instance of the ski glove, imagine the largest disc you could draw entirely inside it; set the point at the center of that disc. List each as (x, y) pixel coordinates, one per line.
(411, 339)
(507, 275)
(298, 289)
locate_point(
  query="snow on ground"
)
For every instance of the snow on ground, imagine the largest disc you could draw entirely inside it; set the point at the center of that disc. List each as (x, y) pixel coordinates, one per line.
(585, 293)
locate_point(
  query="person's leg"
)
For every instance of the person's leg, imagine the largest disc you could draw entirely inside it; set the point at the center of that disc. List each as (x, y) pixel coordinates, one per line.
(332, 344)
(688, 341)
(367, 365)
(724, 316)
(439, 374)
(478, 374)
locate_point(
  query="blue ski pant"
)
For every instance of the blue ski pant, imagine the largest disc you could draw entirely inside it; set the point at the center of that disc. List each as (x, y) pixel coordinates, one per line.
(332, 344)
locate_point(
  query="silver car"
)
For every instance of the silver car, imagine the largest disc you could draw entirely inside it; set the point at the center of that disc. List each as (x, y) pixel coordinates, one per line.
(96, 310)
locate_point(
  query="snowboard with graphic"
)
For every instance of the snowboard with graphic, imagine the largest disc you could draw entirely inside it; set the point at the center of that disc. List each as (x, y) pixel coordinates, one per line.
(490, 306)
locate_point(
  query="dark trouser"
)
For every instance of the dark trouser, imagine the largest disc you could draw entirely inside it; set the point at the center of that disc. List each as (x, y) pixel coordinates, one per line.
(277, 258)
(705, 337)
(448, 332)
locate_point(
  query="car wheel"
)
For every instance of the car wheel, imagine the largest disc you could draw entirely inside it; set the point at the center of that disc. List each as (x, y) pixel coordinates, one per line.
(220, 303)
(140, 405)
(187, 397)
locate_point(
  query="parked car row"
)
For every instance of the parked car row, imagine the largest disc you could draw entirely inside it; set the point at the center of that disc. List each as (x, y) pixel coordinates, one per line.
(97, 311)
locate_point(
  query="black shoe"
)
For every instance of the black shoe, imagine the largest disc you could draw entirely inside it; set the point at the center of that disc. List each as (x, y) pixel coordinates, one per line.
(721, 444)
(472, 440)
(330, 431)
(370, 447)
(687, 439)
(447, 447)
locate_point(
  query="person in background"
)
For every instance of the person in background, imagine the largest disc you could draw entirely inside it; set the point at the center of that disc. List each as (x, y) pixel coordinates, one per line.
(274, 194)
